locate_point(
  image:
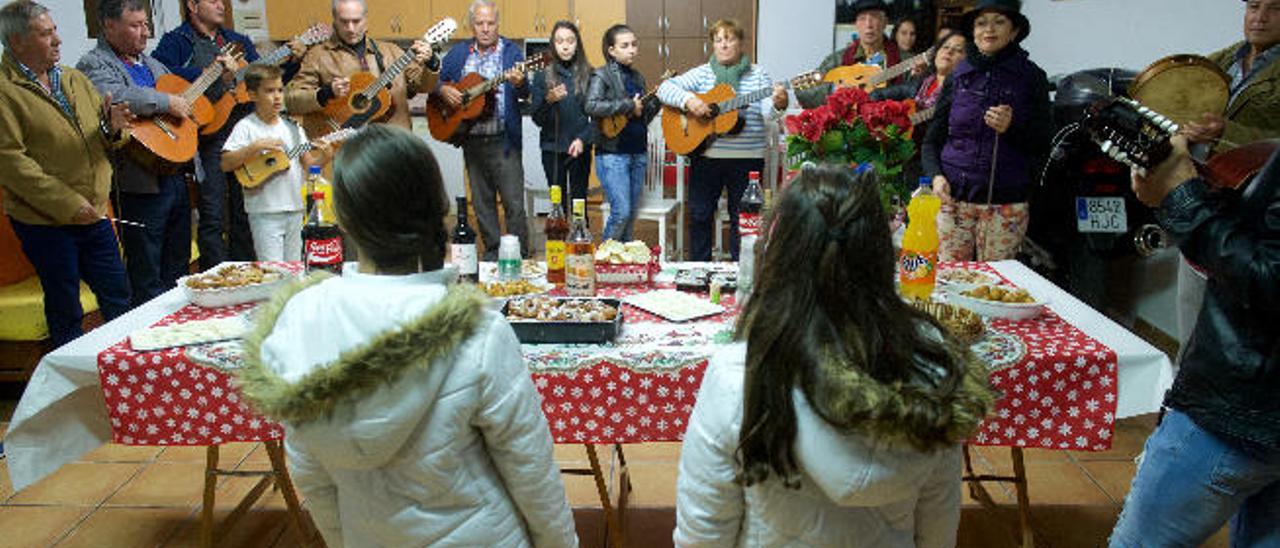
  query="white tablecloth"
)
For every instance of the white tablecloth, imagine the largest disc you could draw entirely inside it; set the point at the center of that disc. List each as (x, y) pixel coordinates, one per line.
(62, 414)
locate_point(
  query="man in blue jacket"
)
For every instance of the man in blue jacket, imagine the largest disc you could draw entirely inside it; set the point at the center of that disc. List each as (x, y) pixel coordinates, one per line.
(491, 144)
(187, 51)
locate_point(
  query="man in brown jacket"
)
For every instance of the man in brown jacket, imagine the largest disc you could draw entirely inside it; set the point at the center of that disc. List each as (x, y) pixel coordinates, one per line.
(1253, 114)
(327, 68)
(54, 138)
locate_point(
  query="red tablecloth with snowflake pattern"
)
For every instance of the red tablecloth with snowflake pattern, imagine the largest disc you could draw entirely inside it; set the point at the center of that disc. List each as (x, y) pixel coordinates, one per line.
(1059, 385)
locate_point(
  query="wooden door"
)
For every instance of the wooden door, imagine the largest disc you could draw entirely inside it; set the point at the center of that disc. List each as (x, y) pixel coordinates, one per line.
(682, 19)
(550, 11)
(286, 19)
(596, 16)
(643, 16)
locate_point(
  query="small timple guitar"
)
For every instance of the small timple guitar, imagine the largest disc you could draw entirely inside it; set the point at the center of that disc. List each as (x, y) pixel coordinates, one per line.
(611, 126)
(444, 121)
(222, 108)
(263, 167)
(373, 101)
(870, 77)
(684, 132)
(1137, 136)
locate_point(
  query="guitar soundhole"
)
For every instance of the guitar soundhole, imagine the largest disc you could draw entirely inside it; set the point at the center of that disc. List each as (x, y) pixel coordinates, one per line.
(271, 162)
(360, 102)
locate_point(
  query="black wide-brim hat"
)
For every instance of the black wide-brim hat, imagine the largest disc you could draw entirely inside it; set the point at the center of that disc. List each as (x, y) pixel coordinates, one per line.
(869, 5)
(1009, 8)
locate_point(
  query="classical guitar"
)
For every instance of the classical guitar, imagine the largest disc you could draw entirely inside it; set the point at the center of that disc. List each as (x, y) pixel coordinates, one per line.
(1137, 136)
(611, 126)
(444, 121)
(173, 139)
(263, 167)
(684, 132)
(223, 106)
(373, 101)
(869, 77)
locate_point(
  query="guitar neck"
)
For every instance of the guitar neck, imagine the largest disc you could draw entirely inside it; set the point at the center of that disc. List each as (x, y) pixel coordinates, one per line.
(206, 79)
(275, 58)
(899, 69)
(299, 150)
(388, 75)
(740, 101)
(922, 116)
(484, 87)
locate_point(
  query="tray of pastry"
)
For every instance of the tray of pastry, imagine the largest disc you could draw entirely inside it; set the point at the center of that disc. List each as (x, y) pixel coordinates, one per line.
(550, 320)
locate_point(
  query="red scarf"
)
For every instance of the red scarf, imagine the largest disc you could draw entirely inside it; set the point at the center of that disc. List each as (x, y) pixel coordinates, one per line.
(891, 54)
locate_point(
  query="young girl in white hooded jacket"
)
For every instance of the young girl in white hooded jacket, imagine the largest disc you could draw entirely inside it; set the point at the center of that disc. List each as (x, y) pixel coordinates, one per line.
(410, 418)
(837, 416)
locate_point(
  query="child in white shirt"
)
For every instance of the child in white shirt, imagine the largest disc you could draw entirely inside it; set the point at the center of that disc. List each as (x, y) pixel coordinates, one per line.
(275, 206)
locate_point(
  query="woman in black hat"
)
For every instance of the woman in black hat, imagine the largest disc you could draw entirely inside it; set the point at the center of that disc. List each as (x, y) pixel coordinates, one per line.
(984, 158)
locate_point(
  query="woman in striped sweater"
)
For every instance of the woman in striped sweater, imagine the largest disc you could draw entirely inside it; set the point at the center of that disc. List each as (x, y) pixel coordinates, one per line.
(726, 161)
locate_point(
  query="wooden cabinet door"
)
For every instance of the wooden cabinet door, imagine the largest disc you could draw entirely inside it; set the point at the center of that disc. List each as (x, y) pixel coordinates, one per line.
(682, 19)
(651, 58)
(550, 11)
(286, 19)
(396, 19)
(596, 16)
(742, 11)
(644, 17)
(684, 54)
(519, 19)
(457, 9)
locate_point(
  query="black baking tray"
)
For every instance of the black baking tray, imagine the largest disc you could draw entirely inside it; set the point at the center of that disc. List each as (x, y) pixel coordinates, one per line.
(534, 332)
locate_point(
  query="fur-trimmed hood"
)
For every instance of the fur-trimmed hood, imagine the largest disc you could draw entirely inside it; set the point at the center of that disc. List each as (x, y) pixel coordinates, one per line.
(333, 367)
(878, 460)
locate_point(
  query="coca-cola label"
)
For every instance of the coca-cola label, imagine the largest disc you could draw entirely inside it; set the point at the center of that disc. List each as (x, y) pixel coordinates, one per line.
(326, 251)
(464, 258)
(749, 224)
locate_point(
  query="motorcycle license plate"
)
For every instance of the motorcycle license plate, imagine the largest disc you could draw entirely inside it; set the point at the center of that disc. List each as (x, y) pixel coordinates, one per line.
(1101, 214)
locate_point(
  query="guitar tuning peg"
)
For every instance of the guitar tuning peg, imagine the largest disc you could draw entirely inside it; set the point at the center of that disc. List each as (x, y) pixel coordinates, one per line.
(1106, 146)
(1169, 126)
(1144, 110)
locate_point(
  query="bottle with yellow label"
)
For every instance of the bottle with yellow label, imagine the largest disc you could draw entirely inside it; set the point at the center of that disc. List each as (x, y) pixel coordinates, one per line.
(317, 183)
(557, 229)
(918, 264)
(580, 255)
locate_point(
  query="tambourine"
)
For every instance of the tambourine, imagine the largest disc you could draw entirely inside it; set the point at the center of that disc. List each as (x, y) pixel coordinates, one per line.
(1182, 87)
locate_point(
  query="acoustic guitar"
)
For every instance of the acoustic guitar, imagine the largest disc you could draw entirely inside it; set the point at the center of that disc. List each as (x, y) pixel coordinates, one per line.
(223, 106)
(172, 139)
(373, 101)
(611, 126)
(445, 121)
(685, 133)
(263, 167)
(870, 77)
(1138, 137)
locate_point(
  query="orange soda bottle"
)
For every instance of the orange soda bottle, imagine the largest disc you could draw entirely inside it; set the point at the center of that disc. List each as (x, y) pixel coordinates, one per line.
(918, 264)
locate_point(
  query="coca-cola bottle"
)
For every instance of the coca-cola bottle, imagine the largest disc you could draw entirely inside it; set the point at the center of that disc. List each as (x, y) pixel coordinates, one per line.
(749, 220)
(462, 246)
(321, 239)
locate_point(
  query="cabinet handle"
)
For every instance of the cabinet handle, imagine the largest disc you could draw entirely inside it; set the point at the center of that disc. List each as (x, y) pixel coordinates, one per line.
(704, 49)
(666, 24)
(704, 23)
(659, 26)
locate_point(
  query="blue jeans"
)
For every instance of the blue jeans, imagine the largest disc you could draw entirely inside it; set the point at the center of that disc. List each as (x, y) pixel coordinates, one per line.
(62, 256)
(708, 177)
(622, 176)
(159, 252)
(1190, 482)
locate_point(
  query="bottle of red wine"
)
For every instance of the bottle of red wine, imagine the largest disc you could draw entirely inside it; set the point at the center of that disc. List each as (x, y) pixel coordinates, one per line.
(462, 246)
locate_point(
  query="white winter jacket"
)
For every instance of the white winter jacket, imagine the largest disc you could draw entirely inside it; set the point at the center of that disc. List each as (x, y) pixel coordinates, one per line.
(855, 490)
(410, 417)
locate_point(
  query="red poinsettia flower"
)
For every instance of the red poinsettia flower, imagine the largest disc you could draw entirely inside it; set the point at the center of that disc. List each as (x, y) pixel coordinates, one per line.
(878, 116)
(810, 124)
(845, 103)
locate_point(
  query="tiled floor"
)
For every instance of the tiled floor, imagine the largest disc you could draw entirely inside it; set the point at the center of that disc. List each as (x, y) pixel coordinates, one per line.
(136, 496)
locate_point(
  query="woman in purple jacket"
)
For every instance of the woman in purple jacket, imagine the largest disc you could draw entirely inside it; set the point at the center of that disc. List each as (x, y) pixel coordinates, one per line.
(983, 160)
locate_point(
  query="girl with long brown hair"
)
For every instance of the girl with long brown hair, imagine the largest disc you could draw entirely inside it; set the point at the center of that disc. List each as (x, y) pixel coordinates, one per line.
(557, 96)
(837, 417)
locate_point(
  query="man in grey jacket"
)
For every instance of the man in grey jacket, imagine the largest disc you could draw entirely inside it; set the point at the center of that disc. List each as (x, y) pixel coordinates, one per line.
(155, 216)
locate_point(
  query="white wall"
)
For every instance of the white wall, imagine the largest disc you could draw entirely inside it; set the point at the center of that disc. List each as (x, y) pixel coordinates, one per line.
(1070, 35)
(794, 35)
(69, 16)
